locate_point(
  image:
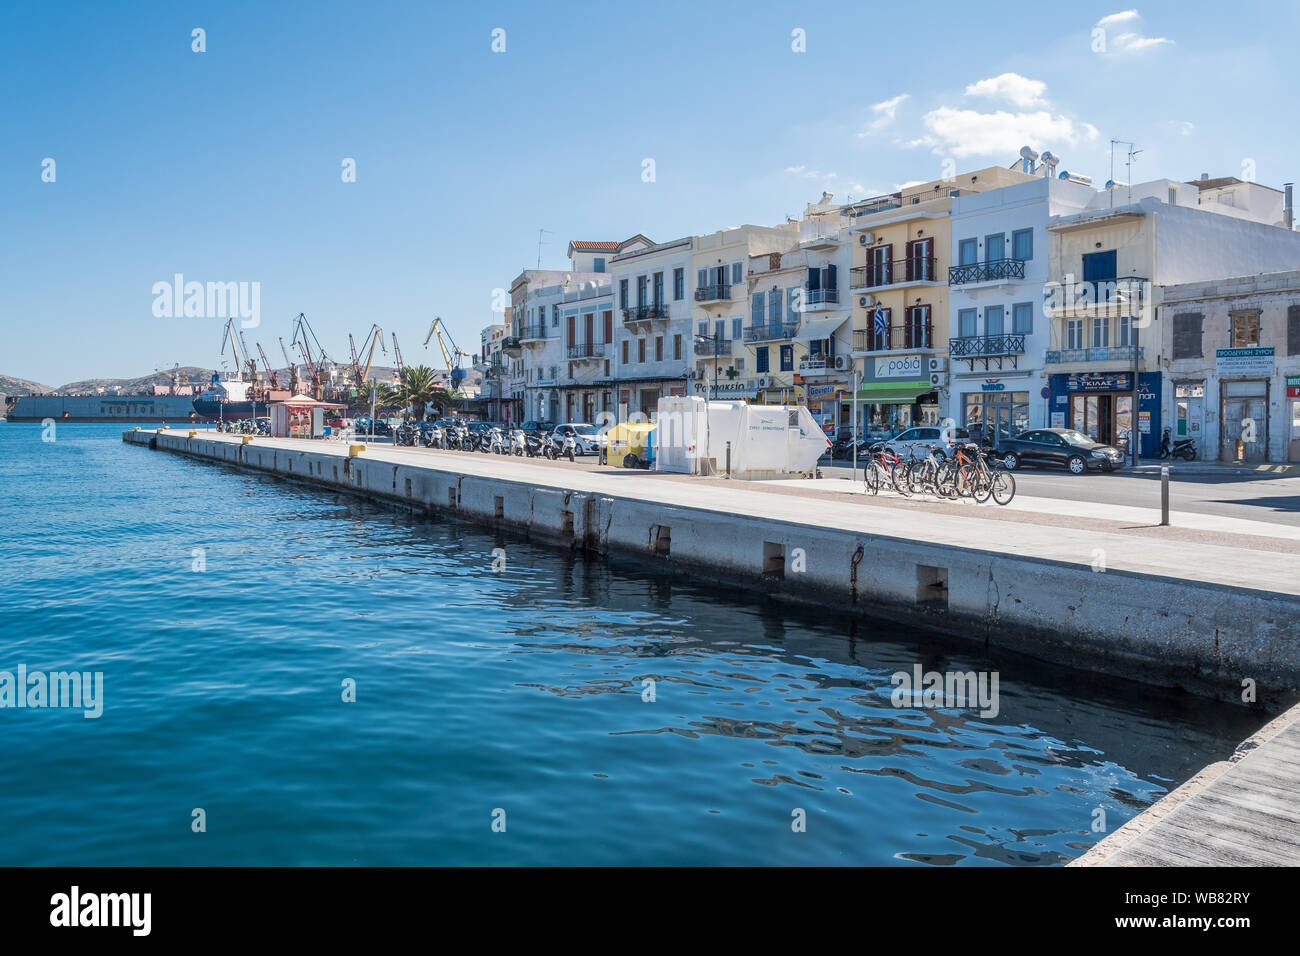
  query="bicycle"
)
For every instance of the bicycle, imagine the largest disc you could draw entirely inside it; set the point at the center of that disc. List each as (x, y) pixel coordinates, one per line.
(975, 478)
(884, 464)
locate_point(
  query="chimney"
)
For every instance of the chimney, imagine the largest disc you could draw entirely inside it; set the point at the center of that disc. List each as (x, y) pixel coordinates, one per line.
(1288, 209)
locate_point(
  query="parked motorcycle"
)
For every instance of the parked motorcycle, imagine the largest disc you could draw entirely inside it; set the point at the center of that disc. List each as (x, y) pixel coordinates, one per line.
(518, 446)
(561, 446)
(1184, 448)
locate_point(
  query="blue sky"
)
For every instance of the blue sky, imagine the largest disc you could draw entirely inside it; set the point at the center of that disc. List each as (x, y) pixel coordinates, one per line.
(225, 165)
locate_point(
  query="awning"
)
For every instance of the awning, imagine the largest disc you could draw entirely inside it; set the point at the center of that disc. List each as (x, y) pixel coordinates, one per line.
(893, 391)
(817, 326)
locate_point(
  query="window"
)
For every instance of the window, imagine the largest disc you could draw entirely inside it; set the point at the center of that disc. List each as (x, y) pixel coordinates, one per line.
(622, 293)
(679, 284)
(1245, 329)
(966, 323)
(608, 316)
(737, 273)
(659, 288)
(642, 287)
(993, 320)
(677, 347)
(756, 307)
(740, 365)
(916, 334)
(701, 278)
(1022, 244)
(1292, 330)
(625, 352)
(1100, 331)
(640, 350)
(599, 265)
(791, 312)
(968, 252)
(737, 328)
(787, 358)
(774, 313)
(703, 329)
(1074, 334)
(659, 348)
(995, 247)
(607, 367)
(1126, 334)
(760, 359)
(719, 329)
(1022, 317)
(1187, 335)
(555, 317)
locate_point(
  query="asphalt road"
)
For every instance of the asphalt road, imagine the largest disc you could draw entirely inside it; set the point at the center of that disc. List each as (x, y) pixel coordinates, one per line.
(1252, 495)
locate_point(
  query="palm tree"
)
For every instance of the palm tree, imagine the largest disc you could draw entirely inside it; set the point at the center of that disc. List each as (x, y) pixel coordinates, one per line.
(416, 388)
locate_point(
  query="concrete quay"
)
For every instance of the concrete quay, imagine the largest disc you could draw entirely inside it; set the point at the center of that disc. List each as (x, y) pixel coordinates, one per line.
(1199, 609)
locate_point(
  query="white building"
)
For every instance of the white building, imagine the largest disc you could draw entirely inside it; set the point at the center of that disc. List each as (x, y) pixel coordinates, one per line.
(653, 285)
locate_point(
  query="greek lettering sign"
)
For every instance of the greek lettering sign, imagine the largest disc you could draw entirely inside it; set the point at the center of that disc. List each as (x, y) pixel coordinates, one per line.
(903, 366)
(1252, 361)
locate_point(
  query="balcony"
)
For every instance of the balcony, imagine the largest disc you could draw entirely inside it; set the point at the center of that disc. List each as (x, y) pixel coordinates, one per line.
(646, 313)
(899, 272)
(532, 333)
(712, 348)
(1114, 353)
(999, 270)
(713, 293)
(1068, 297)
(771, 332)
(587, 350)
(909, 337)
(823, 364)
(818, 300)
(511, 343)
(988, 349)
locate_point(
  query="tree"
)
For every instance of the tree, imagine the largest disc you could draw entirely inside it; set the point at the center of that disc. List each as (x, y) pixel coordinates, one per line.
(416, 389)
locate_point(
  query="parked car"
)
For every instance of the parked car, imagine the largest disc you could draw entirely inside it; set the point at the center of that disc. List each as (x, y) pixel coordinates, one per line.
(916, 441)
(589, 440)
(1058, 448)
(537, 426)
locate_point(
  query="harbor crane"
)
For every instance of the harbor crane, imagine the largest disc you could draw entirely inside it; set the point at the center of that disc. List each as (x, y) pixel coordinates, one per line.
(228, 335)
(248, 358)
(303, 336)
(452, 356)
(292, 366)
(397, 357)
(270, 372)
(374, 337)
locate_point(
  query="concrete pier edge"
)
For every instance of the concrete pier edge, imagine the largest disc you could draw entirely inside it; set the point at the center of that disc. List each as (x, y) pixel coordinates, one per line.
(1044, 609)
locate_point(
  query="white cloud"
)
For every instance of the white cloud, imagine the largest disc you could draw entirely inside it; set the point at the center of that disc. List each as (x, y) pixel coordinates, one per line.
(1130, 41)
(1115, 19)
(1012, 87)
(885, 112)
(1183, 127)
(972, 133)
(795, 169)
(898, 187)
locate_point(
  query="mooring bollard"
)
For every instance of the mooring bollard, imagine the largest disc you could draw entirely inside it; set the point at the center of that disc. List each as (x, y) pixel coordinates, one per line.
(1164, 495)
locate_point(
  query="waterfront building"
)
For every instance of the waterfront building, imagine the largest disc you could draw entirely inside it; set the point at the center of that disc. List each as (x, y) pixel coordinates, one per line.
(651, 351)
(902, 245)
(1231, 349)
(1108, 266)
(491, 364)
(725, 361)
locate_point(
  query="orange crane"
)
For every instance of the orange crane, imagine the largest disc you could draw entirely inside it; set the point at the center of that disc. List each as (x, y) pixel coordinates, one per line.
(374, 337)
(270, 372)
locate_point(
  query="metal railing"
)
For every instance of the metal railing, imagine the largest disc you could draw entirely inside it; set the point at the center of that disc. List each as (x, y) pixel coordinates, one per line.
(895, 272)
(533, 332)
(915, 335)
(978, 346)
(587, 350)
(712, 347)
(820, 296)
(644, 313)
(771, 331)
(1109, 353)
(713, 293)
(992, 271)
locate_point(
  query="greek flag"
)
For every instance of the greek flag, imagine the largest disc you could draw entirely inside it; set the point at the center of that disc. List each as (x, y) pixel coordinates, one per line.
(882, 327)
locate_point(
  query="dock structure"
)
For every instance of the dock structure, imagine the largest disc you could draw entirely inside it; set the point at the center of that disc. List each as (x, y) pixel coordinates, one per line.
(1203, 608)
(1239, 812)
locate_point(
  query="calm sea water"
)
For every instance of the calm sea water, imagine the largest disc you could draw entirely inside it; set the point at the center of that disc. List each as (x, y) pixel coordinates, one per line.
(476, 692)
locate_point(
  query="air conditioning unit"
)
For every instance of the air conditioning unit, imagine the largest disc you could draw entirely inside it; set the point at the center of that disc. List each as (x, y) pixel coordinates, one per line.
(841, 362)
(866, 239)
(866, 301)
(939, 363)
(936, 379)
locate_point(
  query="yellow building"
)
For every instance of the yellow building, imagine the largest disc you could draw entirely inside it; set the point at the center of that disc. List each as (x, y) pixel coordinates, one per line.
(899, 289)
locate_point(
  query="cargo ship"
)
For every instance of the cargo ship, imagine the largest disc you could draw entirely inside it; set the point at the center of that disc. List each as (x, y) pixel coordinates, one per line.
(98, 408)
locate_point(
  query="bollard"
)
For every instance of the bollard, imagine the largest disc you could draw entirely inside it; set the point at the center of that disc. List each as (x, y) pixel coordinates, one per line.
(1164, 495)
(728, 459)
(246, 440)
(192, 434)
(354, 450)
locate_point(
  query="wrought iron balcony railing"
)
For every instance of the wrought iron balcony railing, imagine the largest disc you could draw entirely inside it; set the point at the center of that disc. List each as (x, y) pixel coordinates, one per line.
(712, 347)
(896, 272)
(531, 332)
(912, 335)
(644, 313)
(1110, 353)
(587, 350)
(771, 332)
(817, 297)
(979, 346)
(994, 271)
(713, 293)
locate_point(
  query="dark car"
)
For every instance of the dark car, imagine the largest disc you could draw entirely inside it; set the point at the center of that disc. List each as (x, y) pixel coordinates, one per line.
(1058, 448)
(535, 427)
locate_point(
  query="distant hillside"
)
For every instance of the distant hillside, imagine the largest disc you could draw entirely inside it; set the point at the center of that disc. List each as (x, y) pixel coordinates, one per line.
(196, 376)
(21, 386)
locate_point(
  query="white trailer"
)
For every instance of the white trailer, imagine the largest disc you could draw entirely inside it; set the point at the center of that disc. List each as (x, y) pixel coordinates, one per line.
(692, 437)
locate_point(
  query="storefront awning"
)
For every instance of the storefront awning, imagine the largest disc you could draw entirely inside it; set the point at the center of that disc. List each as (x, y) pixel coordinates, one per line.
(893, 391)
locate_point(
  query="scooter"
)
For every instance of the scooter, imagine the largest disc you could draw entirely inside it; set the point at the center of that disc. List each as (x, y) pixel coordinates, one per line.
(535, 444)
(1184, 448)
(496, 442)
(561, 446)
(518, 445)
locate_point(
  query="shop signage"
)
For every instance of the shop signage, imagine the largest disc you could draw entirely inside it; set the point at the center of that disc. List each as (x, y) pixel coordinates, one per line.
(992, 385)
(1293, 386)
(822, 393)
(1100, 383)
(903, 366)
(725, 389)
(1256, 361)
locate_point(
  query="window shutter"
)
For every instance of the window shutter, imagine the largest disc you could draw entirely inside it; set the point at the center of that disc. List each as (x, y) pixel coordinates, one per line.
(1187, 335)
(792, 315)
(831, 280)
(814, 279)
(756, 309)
(1293, 330)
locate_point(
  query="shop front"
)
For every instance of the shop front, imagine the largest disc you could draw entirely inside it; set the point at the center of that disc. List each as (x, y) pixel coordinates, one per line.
(1293, 401)
(1101, 406)
(999, 409)
(829, 404)
(896, 393)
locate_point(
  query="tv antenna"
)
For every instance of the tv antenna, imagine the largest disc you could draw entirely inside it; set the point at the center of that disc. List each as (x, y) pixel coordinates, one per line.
(540, 233)
(1128, 167)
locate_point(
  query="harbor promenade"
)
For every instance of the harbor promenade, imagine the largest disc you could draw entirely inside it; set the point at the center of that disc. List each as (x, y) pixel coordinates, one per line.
(1204, 604)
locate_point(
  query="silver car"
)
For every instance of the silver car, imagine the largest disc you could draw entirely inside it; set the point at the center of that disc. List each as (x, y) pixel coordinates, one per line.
(586, 437)
(915, 442)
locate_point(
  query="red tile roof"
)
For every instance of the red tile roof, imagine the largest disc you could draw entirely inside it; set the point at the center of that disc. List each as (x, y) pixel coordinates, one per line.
(595, 246)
